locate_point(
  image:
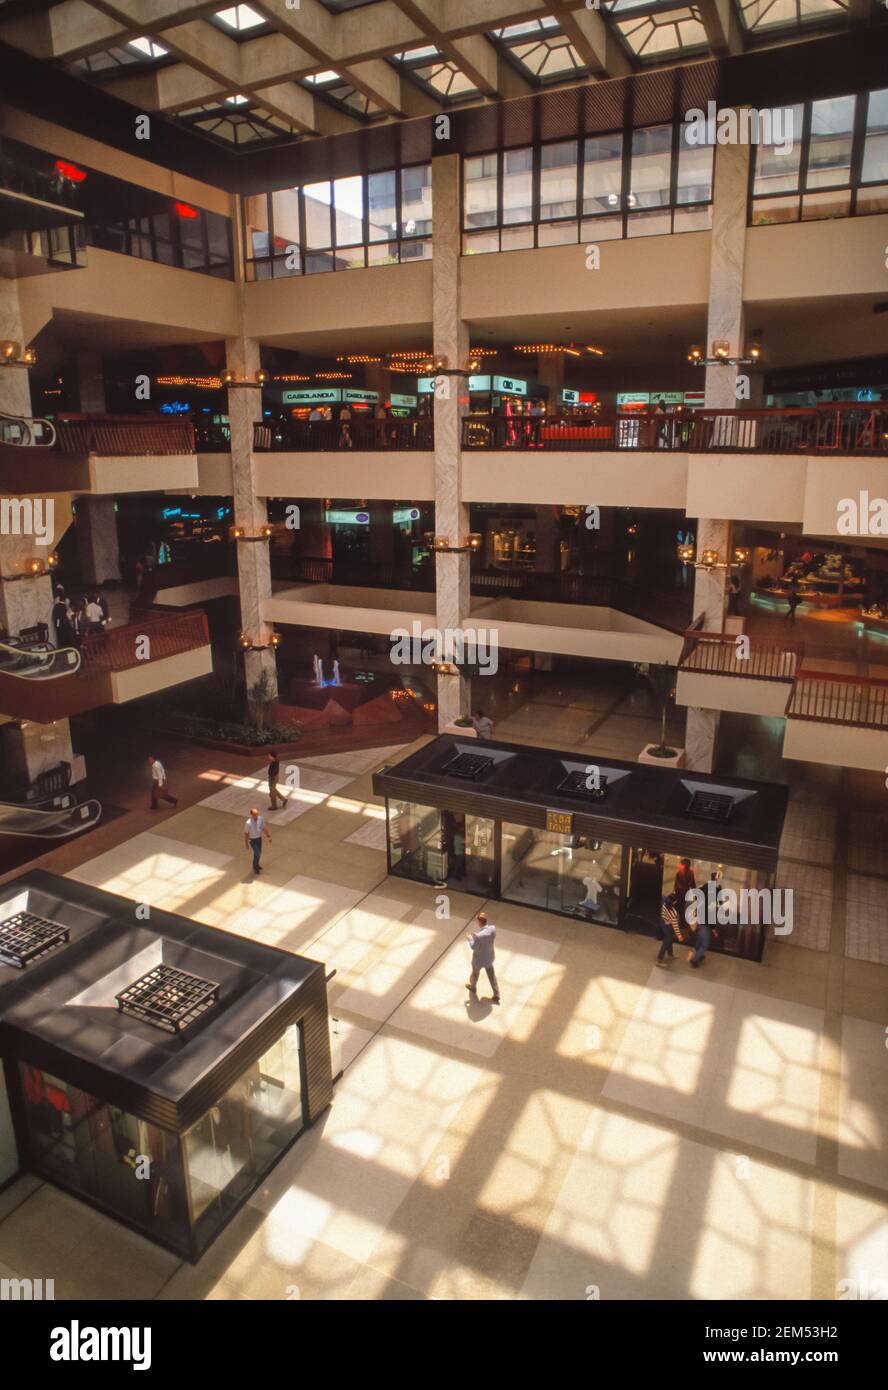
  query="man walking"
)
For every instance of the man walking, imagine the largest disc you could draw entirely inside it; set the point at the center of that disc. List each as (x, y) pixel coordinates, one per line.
(274, 772)
(481, 942)
(159, 783)
(254, 829)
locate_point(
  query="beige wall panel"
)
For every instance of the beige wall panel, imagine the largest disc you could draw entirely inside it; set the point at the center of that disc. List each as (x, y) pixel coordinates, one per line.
(123, 289)
(386, 296)
(350, 473)
(838, 745)
(805, 260)
(749, 487)
(157, 675)
(732, 693)
(646, 272)
(153, 473)
(622, 478)
(832, 480)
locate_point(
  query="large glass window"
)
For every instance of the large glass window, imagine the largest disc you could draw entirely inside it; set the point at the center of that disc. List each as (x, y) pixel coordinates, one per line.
(558, 181)
(244, 1134)
(517, 186)
(575, 874)
(651, 167)
(603, 175)
(829, 149)
(481, 194)
(363, 216)
(694, 180)
(875, 147)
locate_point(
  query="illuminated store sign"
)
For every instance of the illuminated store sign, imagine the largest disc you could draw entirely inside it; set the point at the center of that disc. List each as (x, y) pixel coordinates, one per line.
(510, 385)
(362, 397)
(318, 396)
(403, 515)
(403, 400)
(426, 384)
(570, 397)
(338, 518)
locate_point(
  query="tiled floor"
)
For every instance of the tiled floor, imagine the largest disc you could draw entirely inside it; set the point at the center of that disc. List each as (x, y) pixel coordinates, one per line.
(609, 1130)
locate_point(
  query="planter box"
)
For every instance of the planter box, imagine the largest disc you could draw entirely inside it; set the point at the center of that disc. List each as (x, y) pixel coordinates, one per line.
(646, 756)
(463, 732)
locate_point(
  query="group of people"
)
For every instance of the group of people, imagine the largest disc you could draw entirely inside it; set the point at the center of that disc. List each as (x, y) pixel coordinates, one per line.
(72, 620)
(674, 925)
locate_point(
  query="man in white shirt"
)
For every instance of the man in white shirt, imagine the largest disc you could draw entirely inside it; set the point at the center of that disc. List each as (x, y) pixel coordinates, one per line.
(159, 783)
(254, 829)
(482, 725)
(481, 942)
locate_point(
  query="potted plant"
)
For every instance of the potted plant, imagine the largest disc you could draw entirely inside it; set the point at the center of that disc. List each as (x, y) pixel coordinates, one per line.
(462, 726)
(262, 697)
(662, 682)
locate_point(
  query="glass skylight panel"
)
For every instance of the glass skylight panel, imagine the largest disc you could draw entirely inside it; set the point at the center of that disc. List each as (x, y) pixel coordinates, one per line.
(758, 15)
(148, 48)
(446, 80)
(528, 29)
(240, 17)
(321, 79)
(661, 35)
(411, 55)
(549, 58)
(237, 100)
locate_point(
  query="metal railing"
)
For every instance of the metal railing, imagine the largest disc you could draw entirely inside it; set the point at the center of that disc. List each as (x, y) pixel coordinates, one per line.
(133, 435)
(860, 701)
(121, 648)
(717, 654)
(324, 436)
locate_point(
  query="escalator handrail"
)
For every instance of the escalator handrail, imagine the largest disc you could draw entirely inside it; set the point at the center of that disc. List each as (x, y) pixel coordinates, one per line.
(26, 422)
(44, 658)
(54, 825)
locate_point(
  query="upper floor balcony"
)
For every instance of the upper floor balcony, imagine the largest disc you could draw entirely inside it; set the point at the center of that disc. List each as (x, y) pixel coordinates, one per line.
(40, 227)
(156, 649)
(97, 454)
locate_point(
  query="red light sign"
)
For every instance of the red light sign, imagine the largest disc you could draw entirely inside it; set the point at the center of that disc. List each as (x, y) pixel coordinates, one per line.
(184, 210)
(70, 171)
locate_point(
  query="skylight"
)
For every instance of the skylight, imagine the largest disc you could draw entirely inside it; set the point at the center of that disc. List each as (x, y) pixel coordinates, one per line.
(445, 80)
(148, 47)
(240, 17)
(788, 14)
(319, 79)
(654, 36)
(237, 100)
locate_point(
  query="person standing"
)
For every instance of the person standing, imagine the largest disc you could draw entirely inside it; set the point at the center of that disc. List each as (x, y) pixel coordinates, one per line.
(94, 616)
(684, 881)
(483, 953)
(254, 829)
(482, 725)
(159, 789)
(62, 620)
(345, 433)
(793, 599)
(274, 772)
(705, 929)
(734, 596)
(670, 930)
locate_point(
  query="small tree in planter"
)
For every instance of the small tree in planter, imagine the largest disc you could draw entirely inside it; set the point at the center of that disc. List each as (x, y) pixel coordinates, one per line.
(662, 681)
(262, 697)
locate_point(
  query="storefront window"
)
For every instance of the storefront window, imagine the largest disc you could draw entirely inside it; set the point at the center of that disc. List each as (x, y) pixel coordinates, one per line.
(415, 841)
(575, 874)
(8, 1151)
(244, 1134)
(468, 843)
(114, 1158)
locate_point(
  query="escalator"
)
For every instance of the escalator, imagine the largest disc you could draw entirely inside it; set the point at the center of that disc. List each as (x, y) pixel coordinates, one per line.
(60, 824)
(40, 682)
(38, 661)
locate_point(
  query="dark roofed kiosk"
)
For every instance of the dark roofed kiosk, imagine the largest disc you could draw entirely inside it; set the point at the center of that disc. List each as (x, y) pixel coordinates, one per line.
(588, 837)
(158, 1069)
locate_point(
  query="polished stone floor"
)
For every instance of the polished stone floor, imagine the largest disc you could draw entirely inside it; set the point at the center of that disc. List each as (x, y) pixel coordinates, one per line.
(609, 1130)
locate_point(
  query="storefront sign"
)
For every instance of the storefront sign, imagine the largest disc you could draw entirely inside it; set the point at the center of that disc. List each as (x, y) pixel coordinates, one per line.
(403, 400)
(694, 397)
(426, 384)
(402, 516)
(509, 385)
(321, 395)
(338, 518)
(667, 397)
(561, 822)
(633, 398)
(570, 397)
(362, 397)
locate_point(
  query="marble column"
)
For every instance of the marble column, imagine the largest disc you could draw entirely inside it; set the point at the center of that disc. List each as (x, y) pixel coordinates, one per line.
(91, 382)
(15, 389)
(724, 324)
(450, 342)
(250, 510)
(550, 372)
(23, 601)
(97, 540)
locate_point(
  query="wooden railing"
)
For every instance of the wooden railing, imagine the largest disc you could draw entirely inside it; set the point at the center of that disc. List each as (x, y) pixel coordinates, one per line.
(124, 434)
(717, 654)
(148, 638)
(861, 701)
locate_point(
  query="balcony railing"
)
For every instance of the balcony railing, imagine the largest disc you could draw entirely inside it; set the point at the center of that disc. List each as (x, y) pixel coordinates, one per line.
(861, 701)
(324, 436)
(113, 435)
(847, 427)
(717, 654)
(121, 648)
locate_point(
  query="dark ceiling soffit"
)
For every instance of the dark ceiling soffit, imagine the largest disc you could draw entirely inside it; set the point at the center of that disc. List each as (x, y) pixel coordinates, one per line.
(831, 65)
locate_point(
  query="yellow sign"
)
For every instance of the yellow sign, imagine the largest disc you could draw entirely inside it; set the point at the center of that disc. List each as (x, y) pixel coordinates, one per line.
(559, 821)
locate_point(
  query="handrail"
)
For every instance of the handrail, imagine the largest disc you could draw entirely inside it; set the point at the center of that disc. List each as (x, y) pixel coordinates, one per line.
(362, 432)
(125, 435)
(25, 425)
(715, 654)
(120, 649)
(824, 697)
(37, 663)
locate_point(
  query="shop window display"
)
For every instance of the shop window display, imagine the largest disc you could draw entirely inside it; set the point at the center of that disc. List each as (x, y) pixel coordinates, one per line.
(575, 874)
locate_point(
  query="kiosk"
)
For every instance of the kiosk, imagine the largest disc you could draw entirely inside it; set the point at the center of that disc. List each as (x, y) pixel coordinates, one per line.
(591, 838)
